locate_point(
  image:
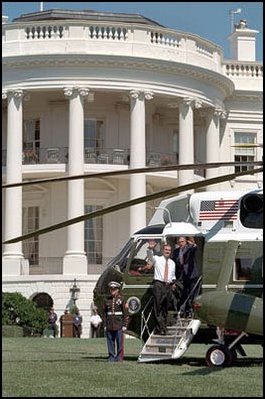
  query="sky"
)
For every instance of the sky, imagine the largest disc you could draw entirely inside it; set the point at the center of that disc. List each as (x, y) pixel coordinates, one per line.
(210, 20)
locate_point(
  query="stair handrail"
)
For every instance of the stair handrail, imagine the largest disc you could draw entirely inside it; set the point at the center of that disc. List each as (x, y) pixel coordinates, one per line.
(144, 320)
(179, 322)
(190, 294)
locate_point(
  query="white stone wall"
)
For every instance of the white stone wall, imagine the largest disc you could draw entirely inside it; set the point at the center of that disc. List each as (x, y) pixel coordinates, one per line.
(58, 289)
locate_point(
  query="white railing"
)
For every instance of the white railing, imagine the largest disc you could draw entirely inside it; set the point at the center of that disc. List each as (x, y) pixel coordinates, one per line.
(243, 69)
(107, 32)
(164, 39)
(44, 32)
(79, 37)
(63, 37)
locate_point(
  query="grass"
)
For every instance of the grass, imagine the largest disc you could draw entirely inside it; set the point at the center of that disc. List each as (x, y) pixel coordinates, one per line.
(68, 367)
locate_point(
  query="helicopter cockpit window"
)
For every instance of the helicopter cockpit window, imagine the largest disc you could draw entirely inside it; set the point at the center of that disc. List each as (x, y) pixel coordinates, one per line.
(139, 260)
(120, 261)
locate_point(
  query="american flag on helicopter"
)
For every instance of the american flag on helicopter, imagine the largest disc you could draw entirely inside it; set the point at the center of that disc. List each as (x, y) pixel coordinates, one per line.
(219, 209)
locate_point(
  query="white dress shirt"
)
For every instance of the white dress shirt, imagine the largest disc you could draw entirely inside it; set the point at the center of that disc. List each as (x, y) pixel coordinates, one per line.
(95, 320)
(159, 262)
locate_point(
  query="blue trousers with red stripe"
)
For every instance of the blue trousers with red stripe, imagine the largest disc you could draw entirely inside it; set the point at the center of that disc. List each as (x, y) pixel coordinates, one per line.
(115, 345)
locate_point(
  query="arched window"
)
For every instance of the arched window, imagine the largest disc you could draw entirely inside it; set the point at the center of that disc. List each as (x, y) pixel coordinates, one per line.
(43, 300)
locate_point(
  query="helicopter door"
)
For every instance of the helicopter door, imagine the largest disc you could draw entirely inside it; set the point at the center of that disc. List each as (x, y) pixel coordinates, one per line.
(138, 259)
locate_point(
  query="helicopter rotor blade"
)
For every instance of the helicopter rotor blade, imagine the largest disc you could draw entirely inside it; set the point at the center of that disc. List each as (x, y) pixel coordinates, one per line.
(135, 201)
(133, 171)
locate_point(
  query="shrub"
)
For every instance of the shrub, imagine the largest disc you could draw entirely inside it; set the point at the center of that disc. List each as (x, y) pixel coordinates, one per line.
(20, 311)
(12, 331)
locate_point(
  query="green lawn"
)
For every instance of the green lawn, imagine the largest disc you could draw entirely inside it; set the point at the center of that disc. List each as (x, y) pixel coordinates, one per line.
(67, 367)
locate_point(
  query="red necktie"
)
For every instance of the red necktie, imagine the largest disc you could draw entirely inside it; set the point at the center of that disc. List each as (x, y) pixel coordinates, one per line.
(166, 272)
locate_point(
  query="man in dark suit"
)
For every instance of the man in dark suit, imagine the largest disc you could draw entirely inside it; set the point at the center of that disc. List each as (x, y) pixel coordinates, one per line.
(186, 271)
(52, 316)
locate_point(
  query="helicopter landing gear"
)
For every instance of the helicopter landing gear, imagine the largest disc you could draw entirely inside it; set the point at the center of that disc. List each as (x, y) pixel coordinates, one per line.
(219, 356)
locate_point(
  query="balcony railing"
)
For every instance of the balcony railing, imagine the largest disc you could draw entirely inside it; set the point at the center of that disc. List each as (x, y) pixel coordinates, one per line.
(96, 37)
(240, 69)
(110, 156)
(122, 39)
(51, 265)
(54, 265)
(45, 155)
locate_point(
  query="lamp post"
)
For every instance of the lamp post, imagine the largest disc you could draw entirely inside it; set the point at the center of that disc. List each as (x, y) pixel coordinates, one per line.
(75, 291)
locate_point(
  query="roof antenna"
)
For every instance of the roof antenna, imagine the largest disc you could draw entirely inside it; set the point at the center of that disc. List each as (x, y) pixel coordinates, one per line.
(232, 13)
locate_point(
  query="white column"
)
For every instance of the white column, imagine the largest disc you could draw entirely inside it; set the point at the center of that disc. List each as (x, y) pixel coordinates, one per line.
(212, 142)
(75, 261)
(12, 254)
(186, 138)
(138, 157)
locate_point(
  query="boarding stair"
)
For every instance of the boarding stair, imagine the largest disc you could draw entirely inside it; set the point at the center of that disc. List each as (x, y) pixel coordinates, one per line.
(174, 343)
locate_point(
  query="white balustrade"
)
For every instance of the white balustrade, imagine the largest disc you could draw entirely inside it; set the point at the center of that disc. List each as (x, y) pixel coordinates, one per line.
(132, 40)
(172, 40)
(207, 52)
(107, 32)
(44, 32)
(236, 69)
(123, 39)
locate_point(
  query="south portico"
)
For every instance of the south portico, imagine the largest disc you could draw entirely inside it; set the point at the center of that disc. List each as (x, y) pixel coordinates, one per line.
(110, 92)
(185, 110)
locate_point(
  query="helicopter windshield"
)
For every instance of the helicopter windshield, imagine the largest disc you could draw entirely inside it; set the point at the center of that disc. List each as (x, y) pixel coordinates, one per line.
(120, 261)
(140, 255)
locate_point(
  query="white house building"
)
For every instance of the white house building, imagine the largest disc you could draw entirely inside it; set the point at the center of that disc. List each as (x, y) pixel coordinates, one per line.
(87, 92)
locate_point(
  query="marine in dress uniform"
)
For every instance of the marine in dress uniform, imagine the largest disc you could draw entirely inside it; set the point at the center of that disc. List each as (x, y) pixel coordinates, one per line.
(115, 318)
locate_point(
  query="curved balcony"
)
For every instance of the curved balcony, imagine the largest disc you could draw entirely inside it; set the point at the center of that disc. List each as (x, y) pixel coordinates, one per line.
(104, 40)
(101, 38)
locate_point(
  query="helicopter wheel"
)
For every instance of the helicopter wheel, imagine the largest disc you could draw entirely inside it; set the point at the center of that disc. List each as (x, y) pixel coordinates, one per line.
(219, 356)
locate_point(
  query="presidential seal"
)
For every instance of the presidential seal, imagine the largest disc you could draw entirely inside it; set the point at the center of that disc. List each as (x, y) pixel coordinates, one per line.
(134, 304)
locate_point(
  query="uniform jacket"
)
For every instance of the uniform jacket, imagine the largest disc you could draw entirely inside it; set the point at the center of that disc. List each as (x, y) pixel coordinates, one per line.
(188, 270)
(115, 315)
